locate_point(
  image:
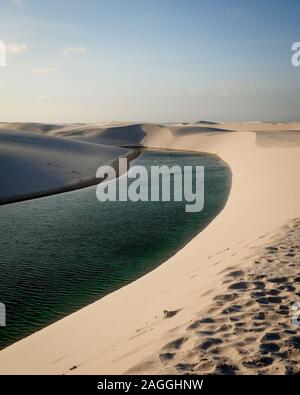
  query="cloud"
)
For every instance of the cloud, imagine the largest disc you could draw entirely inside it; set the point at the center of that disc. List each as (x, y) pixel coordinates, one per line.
(16, 48)
(73, 50)
(43, 97)
(197, 92)
(44, 70)
(221, 88)
(224, 88)
(222, 93)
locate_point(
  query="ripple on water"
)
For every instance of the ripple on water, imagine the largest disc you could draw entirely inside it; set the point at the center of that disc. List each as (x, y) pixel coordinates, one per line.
(60, 253)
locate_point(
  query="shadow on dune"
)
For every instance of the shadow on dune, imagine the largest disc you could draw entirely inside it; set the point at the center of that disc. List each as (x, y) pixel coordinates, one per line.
(29, 140)
(131, 134)
(191, 130)
(32, 126)
(205, 123)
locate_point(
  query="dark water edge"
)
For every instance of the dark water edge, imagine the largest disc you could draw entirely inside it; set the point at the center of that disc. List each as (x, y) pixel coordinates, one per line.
(61, 253)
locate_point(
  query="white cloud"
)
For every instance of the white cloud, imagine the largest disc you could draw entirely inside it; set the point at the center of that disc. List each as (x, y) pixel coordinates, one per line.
(223, 93)
(224, 88)
(73, 50)
(44, 70)
(43, 97)
(16, 48)
(197, 92)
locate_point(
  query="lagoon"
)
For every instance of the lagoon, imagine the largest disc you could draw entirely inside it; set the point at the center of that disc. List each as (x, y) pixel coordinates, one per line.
(63, 252)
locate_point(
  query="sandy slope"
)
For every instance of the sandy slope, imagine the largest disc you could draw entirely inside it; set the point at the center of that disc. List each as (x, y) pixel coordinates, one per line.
(127, 330)
(247, 327)
(34, 165)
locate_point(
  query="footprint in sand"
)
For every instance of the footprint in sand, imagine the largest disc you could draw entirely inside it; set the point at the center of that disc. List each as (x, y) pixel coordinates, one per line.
(209, 342)
(241, 286)
(185, 367)
(271, 336)
(225, 369)
(235, 273)
(258, 362)
(167, 356)
(232, 309)
(267, 348)
(175, 344)
(197, 323)
(278, 280)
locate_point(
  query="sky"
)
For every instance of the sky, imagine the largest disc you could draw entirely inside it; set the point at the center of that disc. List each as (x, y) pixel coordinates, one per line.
(149, 60)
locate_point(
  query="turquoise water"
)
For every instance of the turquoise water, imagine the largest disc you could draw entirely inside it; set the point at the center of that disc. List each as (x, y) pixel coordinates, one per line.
(60, 253)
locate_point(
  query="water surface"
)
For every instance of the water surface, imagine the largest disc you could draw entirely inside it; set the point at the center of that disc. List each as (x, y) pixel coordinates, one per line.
(60, 253)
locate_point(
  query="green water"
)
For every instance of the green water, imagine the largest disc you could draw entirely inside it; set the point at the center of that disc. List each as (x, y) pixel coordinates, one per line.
(60, 253)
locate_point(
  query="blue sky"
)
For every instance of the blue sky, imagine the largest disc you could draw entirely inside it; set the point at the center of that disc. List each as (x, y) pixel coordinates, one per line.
(149, 60)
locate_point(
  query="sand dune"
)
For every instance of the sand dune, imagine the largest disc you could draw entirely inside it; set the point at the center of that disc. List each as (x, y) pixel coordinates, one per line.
(205, 123)
(117, 134)
(246, 329)
(31, 126)
(193, 313)
(35, 165)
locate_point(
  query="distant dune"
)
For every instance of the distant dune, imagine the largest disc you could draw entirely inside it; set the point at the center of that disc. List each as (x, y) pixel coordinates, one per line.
(31, 126)
(117, 134)
(205, 123)
(222, 304)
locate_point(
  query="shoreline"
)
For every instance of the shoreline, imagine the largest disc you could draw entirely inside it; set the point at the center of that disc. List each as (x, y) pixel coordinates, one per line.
(126, 327)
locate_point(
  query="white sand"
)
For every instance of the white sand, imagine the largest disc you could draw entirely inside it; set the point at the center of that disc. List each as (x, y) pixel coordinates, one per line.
(34, 165)
(126, 329)
(247, 328)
